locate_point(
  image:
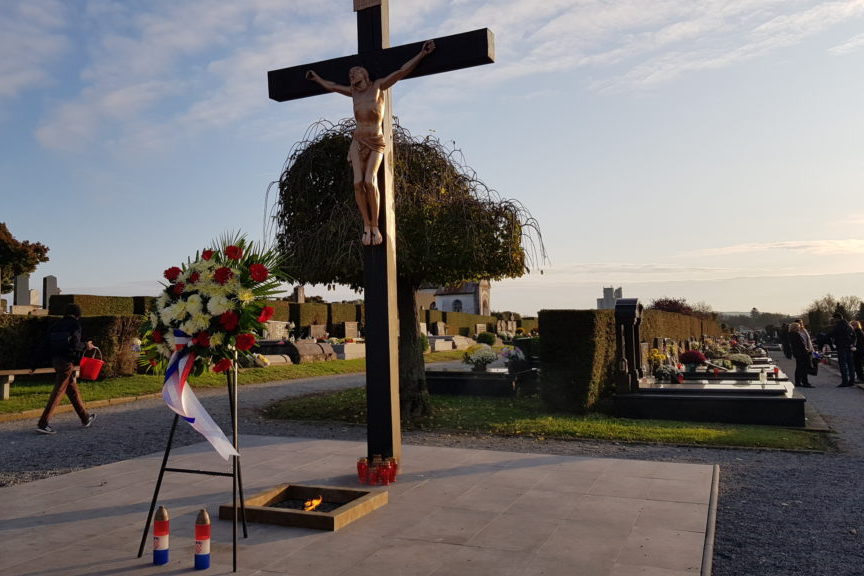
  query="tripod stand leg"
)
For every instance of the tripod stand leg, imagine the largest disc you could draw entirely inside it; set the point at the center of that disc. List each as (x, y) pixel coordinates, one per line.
(158, 486)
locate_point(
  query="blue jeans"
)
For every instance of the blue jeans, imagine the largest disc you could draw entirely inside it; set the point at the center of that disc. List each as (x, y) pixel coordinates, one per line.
(847, 365)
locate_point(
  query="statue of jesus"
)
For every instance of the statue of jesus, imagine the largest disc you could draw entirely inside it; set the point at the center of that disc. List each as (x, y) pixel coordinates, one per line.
(367, 144)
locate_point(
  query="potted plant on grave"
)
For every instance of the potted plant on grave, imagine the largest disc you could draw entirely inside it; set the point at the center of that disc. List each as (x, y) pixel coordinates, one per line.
(691, 359)
(479, 357)
(666, 373)
(740, 361)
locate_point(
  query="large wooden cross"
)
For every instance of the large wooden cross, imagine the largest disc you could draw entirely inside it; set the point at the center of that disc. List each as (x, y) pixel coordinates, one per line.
(384, 435)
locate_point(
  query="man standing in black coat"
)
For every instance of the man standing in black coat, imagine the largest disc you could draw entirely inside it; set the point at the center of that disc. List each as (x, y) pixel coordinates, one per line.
(843, 337)
(64, 340)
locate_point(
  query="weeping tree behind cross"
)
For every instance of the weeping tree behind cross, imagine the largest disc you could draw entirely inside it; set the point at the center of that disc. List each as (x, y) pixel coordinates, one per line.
(450, 228)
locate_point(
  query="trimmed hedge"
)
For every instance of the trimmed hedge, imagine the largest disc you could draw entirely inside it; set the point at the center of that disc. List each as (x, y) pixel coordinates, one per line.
(660, 324)
(433, 316)
(280, 310)
(463, 324)
(92, 305)
(528, 324)
(338, 313)
(307, 314)
(577, 351)
(22, 341)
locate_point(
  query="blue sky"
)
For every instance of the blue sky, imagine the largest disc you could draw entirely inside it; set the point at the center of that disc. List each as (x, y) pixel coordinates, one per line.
(709, 150)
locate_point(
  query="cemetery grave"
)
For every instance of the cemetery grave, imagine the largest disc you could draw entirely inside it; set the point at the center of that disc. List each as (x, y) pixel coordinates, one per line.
(758, 394)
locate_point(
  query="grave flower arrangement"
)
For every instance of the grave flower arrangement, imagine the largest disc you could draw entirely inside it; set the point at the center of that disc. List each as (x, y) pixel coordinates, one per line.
(515, 359)
(217, 300)
(666, 373)
(692, 357)
(740, 361)
(479, 357)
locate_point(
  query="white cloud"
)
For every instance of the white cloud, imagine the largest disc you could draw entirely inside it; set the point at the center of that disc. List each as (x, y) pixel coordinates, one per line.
(852, 45)
(32, 38)
(178, 68)
(821, 247)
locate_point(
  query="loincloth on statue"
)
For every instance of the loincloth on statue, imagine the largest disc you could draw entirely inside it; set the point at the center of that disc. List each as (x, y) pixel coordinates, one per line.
(364, 144)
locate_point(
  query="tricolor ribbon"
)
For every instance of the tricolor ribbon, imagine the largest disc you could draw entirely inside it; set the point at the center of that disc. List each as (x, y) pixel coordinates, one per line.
(181, 399)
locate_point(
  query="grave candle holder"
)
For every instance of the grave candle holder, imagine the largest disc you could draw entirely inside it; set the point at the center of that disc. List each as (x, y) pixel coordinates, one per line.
(384, 472)
(394, 468)
(362, 469)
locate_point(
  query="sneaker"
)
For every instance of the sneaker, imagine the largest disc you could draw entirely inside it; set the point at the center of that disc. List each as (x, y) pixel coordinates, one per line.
(45, 430)
(89, 421)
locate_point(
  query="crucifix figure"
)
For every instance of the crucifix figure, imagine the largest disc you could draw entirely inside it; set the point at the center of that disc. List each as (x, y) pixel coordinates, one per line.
(367, 142)
(384, 435)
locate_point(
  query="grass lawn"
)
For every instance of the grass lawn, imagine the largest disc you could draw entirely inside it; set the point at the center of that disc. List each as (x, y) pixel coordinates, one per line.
(528, 417)
(31, 392)
(457, 414)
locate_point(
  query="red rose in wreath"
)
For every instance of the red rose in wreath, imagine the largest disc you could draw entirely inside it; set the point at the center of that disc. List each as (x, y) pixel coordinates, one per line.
(258, 272)
(266, 314)
(229, 320)
(223, 275)
(233, 252)
(222, 365)
(245, 341)
(171, 274)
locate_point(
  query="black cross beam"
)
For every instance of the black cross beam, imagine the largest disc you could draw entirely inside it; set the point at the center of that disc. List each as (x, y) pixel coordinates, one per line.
(384, 436)
(451, 53)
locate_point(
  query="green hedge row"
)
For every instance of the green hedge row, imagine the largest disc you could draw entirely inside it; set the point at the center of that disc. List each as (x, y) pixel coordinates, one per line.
(578, 348)
(528, 324)
(22, 341)
(464, 324)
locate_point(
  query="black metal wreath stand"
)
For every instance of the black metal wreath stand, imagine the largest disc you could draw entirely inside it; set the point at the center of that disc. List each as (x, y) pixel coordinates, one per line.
(237, 478)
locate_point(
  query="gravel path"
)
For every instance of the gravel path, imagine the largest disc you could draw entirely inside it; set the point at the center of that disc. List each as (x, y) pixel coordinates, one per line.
(780, 513)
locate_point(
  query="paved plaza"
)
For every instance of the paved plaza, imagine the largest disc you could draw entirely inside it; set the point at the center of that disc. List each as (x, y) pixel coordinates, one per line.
(453, 511)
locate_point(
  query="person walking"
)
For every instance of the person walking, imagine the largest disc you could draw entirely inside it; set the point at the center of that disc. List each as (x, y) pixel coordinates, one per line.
(802, 351)
(65, 345)
(843, 338)
(858, 352)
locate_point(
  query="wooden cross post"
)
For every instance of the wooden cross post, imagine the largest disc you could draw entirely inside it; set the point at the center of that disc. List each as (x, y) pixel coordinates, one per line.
(384, 435)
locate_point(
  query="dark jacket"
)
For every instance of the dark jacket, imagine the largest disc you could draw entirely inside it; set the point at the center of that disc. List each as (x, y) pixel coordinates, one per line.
(843, 335)
(798, 343)
(64, 340)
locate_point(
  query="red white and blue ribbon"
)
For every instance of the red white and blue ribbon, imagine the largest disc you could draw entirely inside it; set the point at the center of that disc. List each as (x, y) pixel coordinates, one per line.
(181, 399)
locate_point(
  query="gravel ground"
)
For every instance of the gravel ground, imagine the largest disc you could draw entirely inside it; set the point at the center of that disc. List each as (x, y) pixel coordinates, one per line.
(779, 513)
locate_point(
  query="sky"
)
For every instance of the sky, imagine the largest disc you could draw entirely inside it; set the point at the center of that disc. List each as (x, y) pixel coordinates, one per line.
(711, 150)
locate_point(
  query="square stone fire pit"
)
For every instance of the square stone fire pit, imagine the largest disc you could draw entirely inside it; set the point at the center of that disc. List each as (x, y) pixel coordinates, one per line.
(283, 505)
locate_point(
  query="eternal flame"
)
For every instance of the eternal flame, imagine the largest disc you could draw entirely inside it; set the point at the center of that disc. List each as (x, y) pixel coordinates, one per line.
(367, 143)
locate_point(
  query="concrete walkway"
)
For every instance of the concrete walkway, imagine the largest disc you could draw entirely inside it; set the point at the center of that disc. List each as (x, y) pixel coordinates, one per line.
(452, 512)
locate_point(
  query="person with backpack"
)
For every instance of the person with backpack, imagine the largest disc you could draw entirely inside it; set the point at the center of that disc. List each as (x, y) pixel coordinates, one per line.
(65, 346)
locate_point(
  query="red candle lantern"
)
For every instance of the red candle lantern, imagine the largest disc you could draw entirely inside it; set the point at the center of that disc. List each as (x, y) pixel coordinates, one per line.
(362, 469)
(394, 468)
(384, 471)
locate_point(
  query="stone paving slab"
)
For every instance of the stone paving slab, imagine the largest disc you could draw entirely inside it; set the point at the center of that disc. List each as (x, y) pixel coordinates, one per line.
(452, 512)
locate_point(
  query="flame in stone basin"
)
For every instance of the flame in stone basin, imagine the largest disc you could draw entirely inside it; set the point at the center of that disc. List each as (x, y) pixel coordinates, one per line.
(312, 504)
